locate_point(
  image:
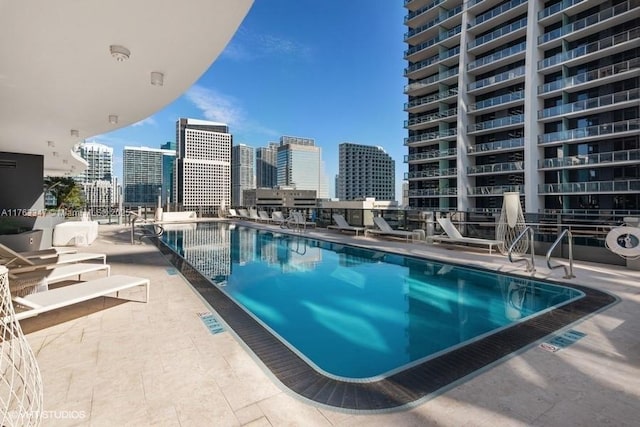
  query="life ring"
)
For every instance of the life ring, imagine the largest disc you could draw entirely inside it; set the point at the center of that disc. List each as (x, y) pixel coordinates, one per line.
(629, 247)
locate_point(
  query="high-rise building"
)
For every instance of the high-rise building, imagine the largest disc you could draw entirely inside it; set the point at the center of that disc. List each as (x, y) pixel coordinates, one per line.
(96, 181)
(539, 97)
(365, 171)
(144, 171)
(267, 166)
(168, 169)
(242, 172)
(203, 165)
(300, 165)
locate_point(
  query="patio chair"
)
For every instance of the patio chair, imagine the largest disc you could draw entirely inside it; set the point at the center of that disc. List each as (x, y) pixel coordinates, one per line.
(453, 236)
(384, 229)
(64, 296)
(16, 262)
(343, 225)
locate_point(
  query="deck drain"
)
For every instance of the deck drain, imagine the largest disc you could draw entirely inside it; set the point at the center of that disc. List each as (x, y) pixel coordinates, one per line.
(211, 323)
(559, 342)
(172, 271)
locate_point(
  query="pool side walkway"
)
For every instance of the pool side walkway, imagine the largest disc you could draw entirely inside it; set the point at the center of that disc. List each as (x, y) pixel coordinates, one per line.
(112, 362)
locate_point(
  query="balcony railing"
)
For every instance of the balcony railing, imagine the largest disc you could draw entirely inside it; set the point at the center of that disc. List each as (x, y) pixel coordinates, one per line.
(591, 131)
(588, 21)
(497, 123)
(498, 33)
(599, 73)
(504, 53)
(495, 12)
(493, 190)
(431, 98)
(590, 48)
(498, 100)
(591, 159)
(432, 60)
(507, 75)
(497, 145)
(431, 136)
(420, 11)
(632, 185)
(431, 173)
(430, 80)
(587, 104)
(433, 154)
(441, 37)
(443, 17)
(496, 167)
(448, 191)
(430, 117)
(555, 8)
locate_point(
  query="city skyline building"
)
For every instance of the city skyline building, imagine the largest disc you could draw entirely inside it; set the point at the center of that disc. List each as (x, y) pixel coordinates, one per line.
(203, 165)
(96, 181)
(267, 166)
(300, 165)
(168, 169)
(536, 97)
(242, 172)
(365, 171)
(144, 172)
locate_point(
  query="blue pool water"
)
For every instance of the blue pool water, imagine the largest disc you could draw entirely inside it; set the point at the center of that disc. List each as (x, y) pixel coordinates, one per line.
(356, 313)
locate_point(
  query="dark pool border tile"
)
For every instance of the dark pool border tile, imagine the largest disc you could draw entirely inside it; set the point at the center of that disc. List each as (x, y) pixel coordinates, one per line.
(403, 387)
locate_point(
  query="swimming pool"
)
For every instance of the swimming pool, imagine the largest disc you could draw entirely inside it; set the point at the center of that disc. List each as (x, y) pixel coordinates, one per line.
(354, 315)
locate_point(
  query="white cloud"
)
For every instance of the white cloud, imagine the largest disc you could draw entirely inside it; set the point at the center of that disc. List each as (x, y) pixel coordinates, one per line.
(248, 46)
(148, 121)
(216, 106)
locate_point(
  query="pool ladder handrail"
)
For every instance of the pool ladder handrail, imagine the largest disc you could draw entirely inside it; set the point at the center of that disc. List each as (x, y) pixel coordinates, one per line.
(134, 218)
(531, 266)
(568, 270)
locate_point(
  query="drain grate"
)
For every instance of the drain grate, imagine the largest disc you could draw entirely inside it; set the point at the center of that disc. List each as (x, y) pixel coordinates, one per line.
(211, 323)
(171, 271)
(559, 342)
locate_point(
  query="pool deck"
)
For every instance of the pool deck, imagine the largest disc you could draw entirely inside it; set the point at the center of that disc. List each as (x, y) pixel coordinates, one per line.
(113, 362)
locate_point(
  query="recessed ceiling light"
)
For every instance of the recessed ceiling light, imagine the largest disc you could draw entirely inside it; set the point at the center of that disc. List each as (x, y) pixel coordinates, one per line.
(157, 78)
(120, 53)
(65, 161)
(113, 119)
(51, 144)
(75, 133)
(55, 154)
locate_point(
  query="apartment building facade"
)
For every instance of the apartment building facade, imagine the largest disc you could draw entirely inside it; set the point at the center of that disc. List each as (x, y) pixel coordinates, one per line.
(539, 97)
(299, 165)
(242, 172)
(143, 171)
(267, 166)
(96, 181)
(203, 165)
(365, 171)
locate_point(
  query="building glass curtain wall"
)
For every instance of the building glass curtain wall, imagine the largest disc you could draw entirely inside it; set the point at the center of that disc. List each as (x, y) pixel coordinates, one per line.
(365, 171)
(144, 171)
(267, 166)
(300, 165)
(572, 146)
(242, 171)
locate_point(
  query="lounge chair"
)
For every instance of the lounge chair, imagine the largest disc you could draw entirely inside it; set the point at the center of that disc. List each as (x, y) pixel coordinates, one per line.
(243, 214)
(384, 229)
(52, 299)
(16, 262)
(37, 280)
(253, 215)
(298, 220)
(343, 225)
(264, 216)
(277, 217)
(454, 236)
(232, 213)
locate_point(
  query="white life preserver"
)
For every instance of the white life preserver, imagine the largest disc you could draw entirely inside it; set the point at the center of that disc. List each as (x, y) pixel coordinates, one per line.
(628, 248)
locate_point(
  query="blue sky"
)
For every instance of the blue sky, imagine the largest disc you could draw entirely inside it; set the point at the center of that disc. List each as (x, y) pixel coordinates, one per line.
(331, 70)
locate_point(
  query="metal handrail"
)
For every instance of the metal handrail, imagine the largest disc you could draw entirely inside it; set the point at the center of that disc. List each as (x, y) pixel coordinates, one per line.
(568, 272)
(531, 266)
(136, 217)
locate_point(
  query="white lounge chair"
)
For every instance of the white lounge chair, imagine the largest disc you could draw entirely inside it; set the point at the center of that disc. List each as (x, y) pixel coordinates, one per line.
(68, 295)
(277, 217)
(454, 236)
(343, 225)
(253, 215)
(232, 213)
(384, 229)
(264, 216)
(300, 221)
(243, 213)
(37, 280)
(16, 262)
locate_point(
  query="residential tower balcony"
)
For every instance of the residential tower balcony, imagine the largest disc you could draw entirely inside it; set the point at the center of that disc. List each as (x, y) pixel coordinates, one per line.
(494, 190)
(557, 8)
(619, 158)
(497, 81)
(621, 128)
(593, 187)
(593, 105)
(426, 192)
(431, 137)
(430, 156)
(432, 173)
(423, 122)
(502, 123)
(515, 144)
(498, 58)
(505, 11)
(496, 168)
(498, 102)
(498, 36)
(427, 102)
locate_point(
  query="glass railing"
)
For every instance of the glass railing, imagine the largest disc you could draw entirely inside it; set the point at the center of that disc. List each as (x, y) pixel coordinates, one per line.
(588, 104)
(591, 159)
(592, 187)
(589, 48)
(507, 75)
(449, 191)
(432, 60)
(452, 32)
(430, 80)
(498, 100)
(504, 53)
(443, 17)
(498, 33)
(431, 173)
(555, 8)
(591, 131)
(420, 11)
(496, 123)
(430, 136)
(600, 73)
(430, 117)
(496, 167)
(494, 189)
(433, 154)
(588, 21)
(496, 145)
(431, 98)
(492, 13)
